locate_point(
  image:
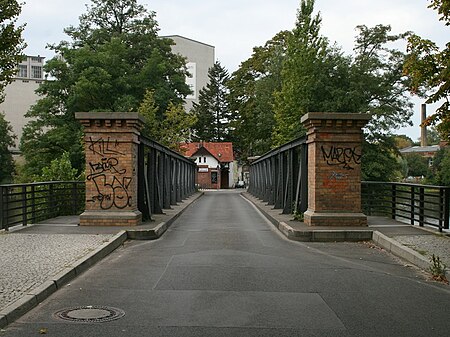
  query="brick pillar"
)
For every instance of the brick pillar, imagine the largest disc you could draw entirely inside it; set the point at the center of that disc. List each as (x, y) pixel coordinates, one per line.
(111, 145)
(334, 168)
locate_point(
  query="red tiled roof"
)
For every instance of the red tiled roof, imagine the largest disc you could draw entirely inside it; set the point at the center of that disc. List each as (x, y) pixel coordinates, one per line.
(223, 152)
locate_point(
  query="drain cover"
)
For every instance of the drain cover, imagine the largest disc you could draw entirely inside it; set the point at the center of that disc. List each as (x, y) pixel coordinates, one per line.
(90, 314)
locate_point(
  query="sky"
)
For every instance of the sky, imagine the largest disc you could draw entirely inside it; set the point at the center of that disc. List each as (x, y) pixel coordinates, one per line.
(234, 27)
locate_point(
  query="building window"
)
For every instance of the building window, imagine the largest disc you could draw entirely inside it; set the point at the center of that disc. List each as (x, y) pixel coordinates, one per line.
(36, 72)
(36, 59)
(204, 159)
(213, 177)
(23, 71)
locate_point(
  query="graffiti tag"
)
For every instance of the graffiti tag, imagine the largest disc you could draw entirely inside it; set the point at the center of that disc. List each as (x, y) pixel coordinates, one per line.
(346, 157)
(104, 147)
(110, 180)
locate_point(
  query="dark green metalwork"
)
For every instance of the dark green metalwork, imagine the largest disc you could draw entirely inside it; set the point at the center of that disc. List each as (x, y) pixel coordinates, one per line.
(164, 178)
(280, 177)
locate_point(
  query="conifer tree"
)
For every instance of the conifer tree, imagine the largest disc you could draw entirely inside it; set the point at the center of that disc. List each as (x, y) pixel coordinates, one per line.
(212, 111)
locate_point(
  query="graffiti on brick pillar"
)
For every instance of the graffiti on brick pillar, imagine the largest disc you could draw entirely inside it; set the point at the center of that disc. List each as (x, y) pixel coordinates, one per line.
(346, 157)
(336, 180)
(104, 147)
(110, 180)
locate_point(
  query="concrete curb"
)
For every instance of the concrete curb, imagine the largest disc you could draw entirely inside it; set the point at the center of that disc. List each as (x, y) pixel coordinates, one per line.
(315, 235)
(35, 296)
(400, 250)
(161, 228)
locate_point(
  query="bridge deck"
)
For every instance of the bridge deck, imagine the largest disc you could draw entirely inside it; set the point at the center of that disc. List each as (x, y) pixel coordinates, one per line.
(222, 269)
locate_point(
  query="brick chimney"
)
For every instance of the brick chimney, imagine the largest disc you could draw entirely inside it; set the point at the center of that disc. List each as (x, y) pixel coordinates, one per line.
(423, 128)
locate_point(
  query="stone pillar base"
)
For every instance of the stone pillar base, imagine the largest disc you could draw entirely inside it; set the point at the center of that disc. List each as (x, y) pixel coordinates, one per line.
(335, 219)
(108, 218)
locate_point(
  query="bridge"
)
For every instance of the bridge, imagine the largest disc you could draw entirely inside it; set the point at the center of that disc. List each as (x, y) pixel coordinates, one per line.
(222, 268)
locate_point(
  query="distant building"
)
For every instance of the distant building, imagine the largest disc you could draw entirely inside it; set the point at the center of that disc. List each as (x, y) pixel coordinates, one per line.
(215, 164)
(425, 151)
(20, 94)
(200, 57)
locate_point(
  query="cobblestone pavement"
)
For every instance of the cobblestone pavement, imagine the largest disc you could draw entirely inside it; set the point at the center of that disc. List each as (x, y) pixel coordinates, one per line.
(427, 245)
(28, 260)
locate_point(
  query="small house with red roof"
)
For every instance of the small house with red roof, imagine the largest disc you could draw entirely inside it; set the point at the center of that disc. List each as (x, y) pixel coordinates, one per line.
(215, 163)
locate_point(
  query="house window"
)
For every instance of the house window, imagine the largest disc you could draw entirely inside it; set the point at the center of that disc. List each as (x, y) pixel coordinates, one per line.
(204, 159)
(23, 71)
(36, 72)
(213, 177)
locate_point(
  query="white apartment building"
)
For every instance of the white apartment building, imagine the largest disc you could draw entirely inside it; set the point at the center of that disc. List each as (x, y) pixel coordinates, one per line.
(200, 57)
(20, 95)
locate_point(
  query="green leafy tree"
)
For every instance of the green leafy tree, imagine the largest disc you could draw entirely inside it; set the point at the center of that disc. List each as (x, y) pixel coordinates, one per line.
(440, 169)
(149, 111)
(381, 162)
(113, 58)
(60, 169)
(172, 129)
(402, 141)
(177, 126)
(305, 53)
(378, 85)
(11, 42)
(251, 98)
(212, 111)
(417, 165)
(429, 70)
(6, 141)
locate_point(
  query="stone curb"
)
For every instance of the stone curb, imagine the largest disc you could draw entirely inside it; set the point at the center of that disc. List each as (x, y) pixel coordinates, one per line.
(400, 250)
(161, 228)
(314, 235)
(35, 296)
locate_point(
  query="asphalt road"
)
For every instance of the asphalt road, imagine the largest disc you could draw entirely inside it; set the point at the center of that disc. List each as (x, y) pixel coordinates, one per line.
(223, 270)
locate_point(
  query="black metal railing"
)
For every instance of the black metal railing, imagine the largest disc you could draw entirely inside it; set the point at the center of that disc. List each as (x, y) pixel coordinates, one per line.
(412, 203)
(280, 177)
(164, 178)
(23, 204)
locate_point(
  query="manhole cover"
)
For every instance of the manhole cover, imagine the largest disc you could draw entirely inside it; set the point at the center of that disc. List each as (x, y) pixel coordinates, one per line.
(90, 314)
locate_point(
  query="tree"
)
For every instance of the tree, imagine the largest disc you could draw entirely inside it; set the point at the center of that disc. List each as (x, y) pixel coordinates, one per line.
(417, 165)
(251, 98)
(402, 141)
(212, 111)
(149, 111)
(11, 42)
(440, 172)
(60, 169)
(305, 53)
(6, 141)
(171, 130)
(429, 70)
(177, 126)
(378, 85)
(113, 58)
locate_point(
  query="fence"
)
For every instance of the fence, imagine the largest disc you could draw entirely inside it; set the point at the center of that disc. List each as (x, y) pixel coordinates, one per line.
(280, 177)
(164, 178)
(23, 204)
(412, 203)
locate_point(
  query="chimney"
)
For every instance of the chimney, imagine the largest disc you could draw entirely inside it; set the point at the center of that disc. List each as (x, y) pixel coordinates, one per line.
(423, 128)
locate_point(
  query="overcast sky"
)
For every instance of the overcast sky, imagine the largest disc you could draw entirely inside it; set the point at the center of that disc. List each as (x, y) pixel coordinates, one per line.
(234, 27)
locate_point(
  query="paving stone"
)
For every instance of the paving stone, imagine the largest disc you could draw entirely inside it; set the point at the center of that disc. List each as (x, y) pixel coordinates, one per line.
(29, 260)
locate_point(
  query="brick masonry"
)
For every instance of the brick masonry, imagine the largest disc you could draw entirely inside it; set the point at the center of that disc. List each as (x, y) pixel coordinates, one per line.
(334, 169)
(111, 146)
